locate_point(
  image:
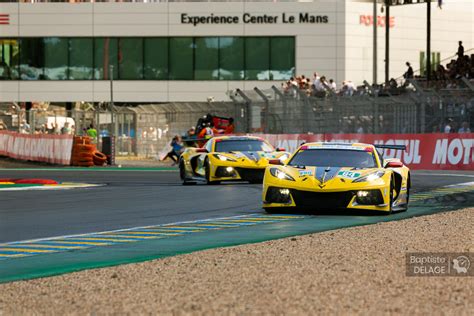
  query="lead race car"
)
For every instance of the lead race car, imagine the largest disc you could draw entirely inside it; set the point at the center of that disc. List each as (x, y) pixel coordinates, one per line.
(337, 176)
(225, 158)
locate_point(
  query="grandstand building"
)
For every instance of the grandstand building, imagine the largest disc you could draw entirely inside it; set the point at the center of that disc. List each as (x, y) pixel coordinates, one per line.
(192, 51)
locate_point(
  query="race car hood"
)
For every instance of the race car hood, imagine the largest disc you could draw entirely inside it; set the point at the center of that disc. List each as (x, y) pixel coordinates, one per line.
(328, 177)
(253, 157)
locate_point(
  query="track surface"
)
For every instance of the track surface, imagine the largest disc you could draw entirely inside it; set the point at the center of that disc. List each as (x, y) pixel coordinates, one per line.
(137, 198)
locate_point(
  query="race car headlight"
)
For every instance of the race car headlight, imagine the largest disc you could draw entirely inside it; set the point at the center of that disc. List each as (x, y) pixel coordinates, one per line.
(283, 157)
(277, 173)
(224, 158)
(370, 177)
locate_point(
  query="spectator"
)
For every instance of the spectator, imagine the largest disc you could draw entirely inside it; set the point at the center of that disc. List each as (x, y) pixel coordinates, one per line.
(205, 133)
(448, 127)
(3, 126)
(460, 52)
(92, 133)
(464, 128)
(409, 73)
(66, 130)
(347, 88)
(230, 128)
(25, 127)
(332, 85)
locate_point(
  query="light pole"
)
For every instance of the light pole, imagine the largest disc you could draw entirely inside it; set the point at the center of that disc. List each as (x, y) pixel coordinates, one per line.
(375, 21)
(111, 107)
(387, 40)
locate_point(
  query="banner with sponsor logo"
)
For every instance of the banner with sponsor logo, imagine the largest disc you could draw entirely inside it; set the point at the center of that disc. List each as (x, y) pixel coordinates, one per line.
(424, 151)
(54, 149)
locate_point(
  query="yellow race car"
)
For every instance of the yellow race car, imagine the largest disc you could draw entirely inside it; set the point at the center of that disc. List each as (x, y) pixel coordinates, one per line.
(228, 158)
(322, 176)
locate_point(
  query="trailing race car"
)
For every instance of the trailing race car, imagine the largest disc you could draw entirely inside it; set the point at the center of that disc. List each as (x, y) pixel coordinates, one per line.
(337, 176)
(226, 158)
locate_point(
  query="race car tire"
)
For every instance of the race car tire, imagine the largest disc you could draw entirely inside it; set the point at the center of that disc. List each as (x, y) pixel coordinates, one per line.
(390, 202)
(207, 169)
(182, 174)
(270, 210)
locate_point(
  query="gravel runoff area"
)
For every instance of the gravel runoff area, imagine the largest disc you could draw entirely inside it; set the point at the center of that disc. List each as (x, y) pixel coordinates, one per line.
(358, 270)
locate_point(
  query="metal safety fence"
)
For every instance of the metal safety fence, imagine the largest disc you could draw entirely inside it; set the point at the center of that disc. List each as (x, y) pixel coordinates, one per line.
(142, 130)
(421, 108)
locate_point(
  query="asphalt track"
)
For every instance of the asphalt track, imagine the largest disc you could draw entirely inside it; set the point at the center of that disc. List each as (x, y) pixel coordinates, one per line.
(145, 214)
(133, 198)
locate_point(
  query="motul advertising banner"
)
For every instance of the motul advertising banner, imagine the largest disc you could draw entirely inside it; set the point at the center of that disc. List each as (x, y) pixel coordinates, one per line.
(424, 151)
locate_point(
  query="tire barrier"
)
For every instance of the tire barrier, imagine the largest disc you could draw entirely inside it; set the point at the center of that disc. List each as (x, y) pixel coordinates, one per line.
(85, 154)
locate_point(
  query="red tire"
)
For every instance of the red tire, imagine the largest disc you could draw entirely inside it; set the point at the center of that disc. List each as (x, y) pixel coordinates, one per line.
(87, 148)
(82, 140)
(97, 155)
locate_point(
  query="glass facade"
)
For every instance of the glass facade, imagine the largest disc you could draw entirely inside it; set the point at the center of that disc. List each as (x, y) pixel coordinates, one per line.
(147, 58)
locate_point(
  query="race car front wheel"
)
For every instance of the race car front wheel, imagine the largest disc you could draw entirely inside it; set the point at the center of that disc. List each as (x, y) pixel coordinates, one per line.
(182, 174)
(207, 170)
(392, 188)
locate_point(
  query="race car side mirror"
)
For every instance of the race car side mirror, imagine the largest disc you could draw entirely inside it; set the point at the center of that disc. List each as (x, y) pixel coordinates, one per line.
(201, 150)
(394, 164)
(275, 162)
(280, 149)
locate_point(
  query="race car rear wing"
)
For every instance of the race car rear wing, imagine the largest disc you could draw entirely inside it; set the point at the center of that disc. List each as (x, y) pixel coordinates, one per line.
(395, 147)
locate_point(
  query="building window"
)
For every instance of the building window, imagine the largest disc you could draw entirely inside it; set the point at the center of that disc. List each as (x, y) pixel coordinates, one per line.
(105, 55)
(81, 58)
(257, 58)
(231, 58)
(9, 59)
(148, 58)
(55, 58)
(282, 58)
(181, 61)
(130, 58)
(31, 59)
(155, 58)
(206, 58)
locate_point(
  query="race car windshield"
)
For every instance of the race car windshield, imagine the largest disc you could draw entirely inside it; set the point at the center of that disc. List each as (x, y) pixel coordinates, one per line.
(242, 145)
(334, 158)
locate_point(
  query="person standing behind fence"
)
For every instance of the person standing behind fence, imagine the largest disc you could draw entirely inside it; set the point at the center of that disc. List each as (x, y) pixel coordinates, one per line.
(464, 128)
(66, 130)
(230, 128)
(92, 133)
(409, 73)
(25, 127)
(460, 52)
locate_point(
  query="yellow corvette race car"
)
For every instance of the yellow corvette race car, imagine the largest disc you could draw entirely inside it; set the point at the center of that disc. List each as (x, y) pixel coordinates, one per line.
(337, 176)
(224, 158)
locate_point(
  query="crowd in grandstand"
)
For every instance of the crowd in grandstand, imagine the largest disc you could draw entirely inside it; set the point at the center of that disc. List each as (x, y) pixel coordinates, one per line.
(443, 77)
